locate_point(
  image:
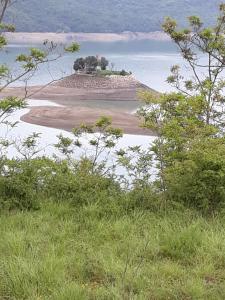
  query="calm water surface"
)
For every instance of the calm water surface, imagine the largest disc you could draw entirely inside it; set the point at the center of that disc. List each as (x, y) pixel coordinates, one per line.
(149, 61)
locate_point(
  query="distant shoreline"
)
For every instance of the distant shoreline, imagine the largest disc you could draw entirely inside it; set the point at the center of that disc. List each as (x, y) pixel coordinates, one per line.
(39, 37)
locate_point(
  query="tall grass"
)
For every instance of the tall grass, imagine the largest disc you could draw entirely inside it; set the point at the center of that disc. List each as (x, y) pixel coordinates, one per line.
(63, 252)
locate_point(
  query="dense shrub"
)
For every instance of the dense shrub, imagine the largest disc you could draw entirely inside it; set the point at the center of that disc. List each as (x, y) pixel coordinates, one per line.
(144, 198)
(79, 185)
(22, 183)
(123, 73)
(199, 180)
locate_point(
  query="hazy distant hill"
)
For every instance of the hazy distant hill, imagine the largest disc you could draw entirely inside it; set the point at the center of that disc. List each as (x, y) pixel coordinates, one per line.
(105, 15)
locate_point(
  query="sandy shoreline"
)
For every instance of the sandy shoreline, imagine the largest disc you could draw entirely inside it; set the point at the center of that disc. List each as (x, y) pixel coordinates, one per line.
(39, 37)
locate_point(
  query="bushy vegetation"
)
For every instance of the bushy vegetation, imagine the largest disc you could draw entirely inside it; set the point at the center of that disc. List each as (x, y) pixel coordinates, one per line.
(96, 65)
(105, 15)
(89, 64)
(111, 72)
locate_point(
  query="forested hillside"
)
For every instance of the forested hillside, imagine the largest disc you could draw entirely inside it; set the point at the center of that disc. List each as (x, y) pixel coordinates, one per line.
(104, 15)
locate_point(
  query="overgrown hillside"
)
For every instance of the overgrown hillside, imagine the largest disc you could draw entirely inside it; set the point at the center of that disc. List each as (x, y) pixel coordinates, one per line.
(105, 15)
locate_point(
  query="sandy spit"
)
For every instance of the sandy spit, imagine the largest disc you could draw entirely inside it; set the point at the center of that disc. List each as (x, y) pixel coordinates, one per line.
(67, 118)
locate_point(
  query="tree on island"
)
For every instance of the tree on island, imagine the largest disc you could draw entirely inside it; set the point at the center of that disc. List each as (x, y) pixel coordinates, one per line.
(79, 64)
(104, 63)
(89, 64)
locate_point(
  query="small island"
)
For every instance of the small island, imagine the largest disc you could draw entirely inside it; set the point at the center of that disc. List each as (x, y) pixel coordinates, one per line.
(95, 79)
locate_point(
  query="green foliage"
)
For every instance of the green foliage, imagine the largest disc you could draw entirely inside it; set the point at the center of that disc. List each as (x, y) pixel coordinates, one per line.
(102, 137)
(10, 104)
(79, 64)
(29, 62)
(104, 63)
(91, 63)
(3, 42)
(7, 27)
(79, 185)
(123, 73)
(207, 80)
(4, 71)
(199, 179)
(144, 198)
(137, 164)
(74, 47)
(111, 72)
(22, 183)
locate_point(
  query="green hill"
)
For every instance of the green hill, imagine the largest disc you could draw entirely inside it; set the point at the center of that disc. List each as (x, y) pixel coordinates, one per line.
(104, 15)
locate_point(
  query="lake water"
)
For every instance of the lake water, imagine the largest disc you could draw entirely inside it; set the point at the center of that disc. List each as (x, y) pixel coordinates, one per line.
(149, 61)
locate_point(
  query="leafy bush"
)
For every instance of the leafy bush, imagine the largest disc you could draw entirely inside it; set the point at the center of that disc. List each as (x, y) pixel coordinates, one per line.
(111, 72)
(123, 73)
(144, 198)
(80, 185)
(22, 183)
(199, 180)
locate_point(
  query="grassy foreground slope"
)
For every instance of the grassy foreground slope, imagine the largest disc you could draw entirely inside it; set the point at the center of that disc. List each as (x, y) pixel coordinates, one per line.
(91, 252)
(105, 15)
